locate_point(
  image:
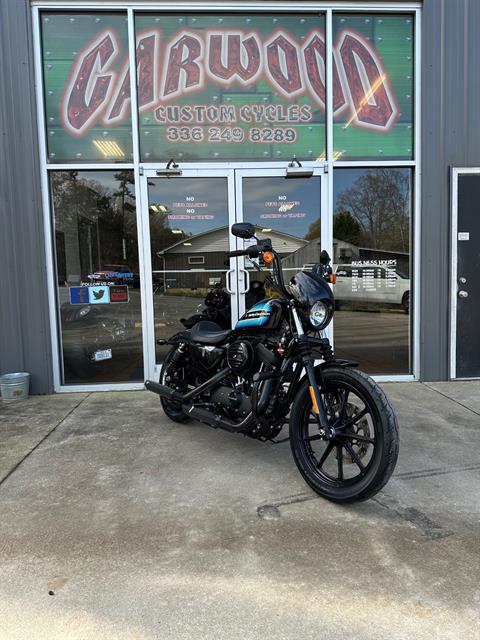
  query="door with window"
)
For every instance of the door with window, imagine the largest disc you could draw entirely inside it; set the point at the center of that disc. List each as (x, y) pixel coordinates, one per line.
(188, 216)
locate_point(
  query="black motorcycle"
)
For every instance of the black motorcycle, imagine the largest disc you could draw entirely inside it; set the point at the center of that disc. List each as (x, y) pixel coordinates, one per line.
(343, 432)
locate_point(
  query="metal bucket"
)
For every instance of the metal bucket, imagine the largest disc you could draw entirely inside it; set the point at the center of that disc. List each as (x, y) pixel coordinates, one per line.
(14, 386)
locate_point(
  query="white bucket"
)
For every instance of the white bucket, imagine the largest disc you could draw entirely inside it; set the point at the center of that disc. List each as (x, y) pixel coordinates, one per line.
(14, 386)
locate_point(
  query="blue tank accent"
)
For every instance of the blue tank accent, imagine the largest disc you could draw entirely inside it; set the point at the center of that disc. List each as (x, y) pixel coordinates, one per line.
(257, 316)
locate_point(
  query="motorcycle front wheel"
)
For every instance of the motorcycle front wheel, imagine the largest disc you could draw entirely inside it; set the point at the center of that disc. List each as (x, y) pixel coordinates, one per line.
(361, 457)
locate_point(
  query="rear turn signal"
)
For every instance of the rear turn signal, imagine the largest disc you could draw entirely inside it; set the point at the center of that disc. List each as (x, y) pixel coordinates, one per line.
(332, 278)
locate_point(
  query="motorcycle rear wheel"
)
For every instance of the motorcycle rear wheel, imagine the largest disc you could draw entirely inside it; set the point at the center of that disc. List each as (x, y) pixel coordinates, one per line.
(360, 459)
(172, 410)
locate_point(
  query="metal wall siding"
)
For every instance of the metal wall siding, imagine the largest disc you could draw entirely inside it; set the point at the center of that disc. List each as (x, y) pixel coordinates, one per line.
(24, 332)
(450, 137)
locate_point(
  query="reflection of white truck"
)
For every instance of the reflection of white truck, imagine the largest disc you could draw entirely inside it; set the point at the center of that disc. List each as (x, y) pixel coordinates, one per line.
(374, 284)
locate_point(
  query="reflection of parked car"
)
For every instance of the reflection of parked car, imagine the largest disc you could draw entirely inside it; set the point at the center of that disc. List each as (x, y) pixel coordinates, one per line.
(371, 284)
(116, 273)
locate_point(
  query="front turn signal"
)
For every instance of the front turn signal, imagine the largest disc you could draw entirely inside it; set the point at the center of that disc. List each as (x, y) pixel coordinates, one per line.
(267, 257)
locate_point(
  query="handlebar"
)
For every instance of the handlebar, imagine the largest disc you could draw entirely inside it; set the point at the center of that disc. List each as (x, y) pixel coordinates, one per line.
(252, 252)
(264, 247)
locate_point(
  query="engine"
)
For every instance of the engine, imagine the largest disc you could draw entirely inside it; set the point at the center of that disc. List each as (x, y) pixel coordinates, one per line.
(235, 401)
(240, 356)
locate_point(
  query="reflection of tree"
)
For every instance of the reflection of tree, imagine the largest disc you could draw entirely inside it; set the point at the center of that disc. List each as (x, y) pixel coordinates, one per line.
(345, 227)
(379, 200)
(98, 219)
(313, 230)
(127, 204)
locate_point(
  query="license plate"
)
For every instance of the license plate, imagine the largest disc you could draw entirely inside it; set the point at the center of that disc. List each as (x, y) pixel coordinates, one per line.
(104, 354)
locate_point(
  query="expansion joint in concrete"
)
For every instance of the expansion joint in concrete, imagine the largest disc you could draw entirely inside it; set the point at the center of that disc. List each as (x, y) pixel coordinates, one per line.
(40, 442)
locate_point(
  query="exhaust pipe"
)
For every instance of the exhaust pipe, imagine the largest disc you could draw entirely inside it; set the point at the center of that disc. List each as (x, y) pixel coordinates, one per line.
(219, 422)
(164, 391)
(197, 413)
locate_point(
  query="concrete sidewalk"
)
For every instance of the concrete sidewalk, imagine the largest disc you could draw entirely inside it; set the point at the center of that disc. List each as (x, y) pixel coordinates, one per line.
(117, 524)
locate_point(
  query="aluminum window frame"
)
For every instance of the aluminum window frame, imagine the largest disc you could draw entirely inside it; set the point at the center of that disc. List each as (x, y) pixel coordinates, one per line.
(131, 8)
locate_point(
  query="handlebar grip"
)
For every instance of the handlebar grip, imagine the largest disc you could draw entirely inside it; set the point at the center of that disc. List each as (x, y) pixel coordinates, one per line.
(252, 251)
(233, 254)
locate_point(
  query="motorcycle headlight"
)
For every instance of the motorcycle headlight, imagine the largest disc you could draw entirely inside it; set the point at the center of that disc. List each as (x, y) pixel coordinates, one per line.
(320, 315)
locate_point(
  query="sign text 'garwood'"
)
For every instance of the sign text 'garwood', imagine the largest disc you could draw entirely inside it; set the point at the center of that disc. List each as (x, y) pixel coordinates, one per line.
(191, 60)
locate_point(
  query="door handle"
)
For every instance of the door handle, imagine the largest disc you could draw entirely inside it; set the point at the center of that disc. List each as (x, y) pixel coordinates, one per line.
(463, 294)
(227, 281)
(247, 280)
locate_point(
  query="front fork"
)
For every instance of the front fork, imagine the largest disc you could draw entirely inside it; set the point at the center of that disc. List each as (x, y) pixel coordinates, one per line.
(308, 362)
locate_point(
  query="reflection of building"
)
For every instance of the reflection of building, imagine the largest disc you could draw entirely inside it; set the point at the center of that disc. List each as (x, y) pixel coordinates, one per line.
(192, 261)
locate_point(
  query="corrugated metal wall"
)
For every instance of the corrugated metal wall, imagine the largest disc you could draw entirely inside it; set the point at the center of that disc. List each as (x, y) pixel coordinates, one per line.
(450, 137)
(24, 333)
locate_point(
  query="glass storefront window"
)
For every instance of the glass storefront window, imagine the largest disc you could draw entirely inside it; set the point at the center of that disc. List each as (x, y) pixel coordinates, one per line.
(373, 86)
(372, 258)
(87, 109)
(231, 87)
(98, 282)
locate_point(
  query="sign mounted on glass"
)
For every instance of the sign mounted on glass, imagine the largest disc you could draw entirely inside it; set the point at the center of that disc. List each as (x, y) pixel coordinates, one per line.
(228, 87)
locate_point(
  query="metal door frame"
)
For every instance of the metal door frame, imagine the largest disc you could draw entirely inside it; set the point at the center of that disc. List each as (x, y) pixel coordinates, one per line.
(151, 368)
(455, 173)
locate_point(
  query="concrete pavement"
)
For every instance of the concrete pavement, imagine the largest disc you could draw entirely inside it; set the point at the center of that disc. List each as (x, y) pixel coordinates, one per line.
(117, 524)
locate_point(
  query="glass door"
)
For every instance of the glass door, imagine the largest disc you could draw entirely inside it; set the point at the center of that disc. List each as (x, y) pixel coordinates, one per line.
(289, 212)
(189, 219)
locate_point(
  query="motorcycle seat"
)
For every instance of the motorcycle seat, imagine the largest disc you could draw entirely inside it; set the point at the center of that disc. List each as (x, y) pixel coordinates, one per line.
(208, 332)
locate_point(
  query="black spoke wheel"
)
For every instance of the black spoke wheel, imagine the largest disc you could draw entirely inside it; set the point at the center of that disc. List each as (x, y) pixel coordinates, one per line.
(173, 374)
(358, 461)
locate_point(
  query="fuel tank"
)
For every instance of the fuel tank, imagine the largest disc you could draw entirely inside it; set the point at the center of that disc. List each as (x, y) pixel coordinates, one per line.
(266, 314)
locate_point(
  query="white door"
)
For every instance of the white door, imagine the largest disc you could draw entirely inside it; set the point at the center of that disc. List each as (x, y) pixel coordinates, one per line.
(186, 221)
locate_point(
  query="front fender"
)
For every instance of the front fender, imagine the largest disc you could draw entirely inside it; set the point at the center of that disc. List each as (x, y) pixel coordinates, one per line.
(337, 362)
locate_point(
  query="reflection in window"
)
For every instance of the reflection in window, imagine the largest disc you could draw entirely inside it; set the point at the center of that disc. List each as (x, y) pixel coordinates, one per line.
(373, 86)
(97, 275)
(189, 239)
(287, 212)
(372, 256)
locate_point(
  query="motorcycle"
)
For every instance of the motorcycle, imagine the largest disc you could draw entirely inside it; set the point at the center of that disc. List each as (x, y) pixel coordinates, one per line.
(217, 309)
(217, 305)
(276, 362)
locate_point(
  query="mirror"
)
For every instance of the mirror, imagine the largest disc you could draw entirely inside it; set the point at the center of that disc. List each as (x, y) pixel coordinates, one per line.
(324, 257)
(243, 230)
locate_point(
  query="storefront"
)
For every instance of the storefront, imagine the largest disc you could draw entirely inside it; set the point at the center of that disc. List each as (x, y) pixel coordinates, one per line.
(304, 119)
